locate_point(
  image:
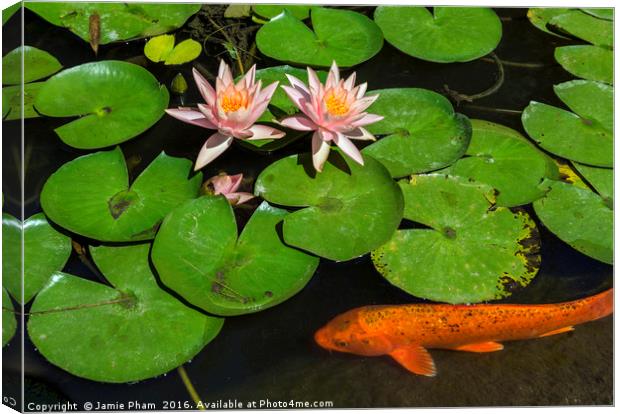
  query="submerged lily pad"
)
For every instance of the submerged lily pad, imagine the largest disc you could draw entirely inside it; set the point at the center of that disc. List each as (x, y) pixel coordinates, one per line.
(583, 26)
(584, 136)
(602, 179)
(587, 62)
(91, 195)
(118, 21)
(300, 12)
(12, 95)
(278, 74)
(539, 17)
(601, 13)
(162, 49)
(423, 131)
(348, 210)
(9, 323)
(129, 331)
(580, 218)
(345, 36)
(115, 101)
(507, 161)
(198, 255)
(38, 64)
(470, 252)
(449, 34)
(45, 252)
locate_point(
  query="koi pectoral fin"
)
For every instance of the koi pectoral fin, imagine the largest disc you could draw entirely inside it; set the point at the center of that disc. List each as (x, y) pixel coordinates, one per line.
(557, 331)
(480, 347)
(415, 359)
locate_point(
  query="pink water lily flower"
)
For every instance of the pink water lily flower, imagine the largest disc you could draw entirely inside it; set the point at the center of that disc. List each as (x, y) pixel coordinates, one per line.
(227, 185)
(231, 109)
(335, 112)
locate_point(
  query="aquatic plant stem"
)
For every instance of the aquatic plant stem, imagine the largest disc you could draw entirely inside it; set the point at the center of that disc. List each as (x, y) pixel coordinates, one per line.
(229, 40)
(458, 97)
(525, 65)
(190, 388)
(500, 110)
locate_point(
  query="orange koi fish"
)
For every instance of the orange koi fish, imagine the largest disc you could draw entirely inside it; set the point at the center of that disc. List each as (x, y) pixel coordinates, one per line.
(405, 331)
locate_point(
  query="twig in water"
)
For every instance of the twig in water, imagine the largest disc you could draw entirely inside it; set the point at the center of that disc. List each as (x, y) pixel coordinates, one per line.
(458, 97)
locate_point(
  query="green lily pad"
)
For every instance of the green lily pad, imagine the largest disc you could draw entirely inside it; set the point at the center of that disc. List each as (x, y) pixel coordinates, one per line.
(585, 136)
(300, 12)
(601, 13)
(580, 218)
(583, 26)
(348, 210)
(236, 11)
(123, 100)
(278, 74)
(587, 62)
(45, 252)
(91, 195)
(162, 49)
(197, 254)
(345, 36)
(12, 95)
(38, 64)
(9, 323)
(539, 17)
(6, 108)
(129, 331)
(449, 34)
(10, 11)
(423, 131)
(602, 179)
(507, 161)
(470, 252)
(118, 21)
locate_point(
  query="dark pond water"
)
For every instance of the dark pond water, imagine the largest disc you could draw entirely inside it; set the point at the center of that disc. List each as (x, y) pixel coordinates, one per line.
(271, 354)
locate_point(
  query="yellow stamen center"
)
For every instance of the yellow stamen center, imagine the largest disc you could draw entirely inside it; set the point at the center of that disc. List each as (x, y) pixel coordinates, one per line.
(337, 103)
(234, 100)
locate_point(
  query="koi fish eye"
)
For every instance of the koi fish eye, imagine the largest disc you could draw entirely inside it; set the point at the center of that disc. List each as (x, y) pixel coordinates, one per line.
(340, 344)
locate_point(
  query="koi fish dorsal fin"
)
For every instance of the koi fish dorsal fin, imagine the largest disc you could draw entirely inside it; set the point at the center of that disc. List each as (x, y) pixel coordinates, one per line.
(480, 347)
(415, 359)
(557, 331)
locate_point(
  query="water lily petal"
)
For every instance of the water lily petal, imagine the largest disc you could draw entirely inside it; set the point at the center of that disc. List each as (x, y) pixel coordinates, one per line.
(212, 148)
(367, 119)
(207, 112)
(250, 77)
(362, 90)
(313, 81)
(360, 134)
(327, 135)
(299, 123)
(350, 82)
(297, 84)
(191, 116)
(333, 77)
(295, 95)
(349, 148)
(320, 151)
(225, 184)
(204, 87)
(239, 198)
(224, 73)
(267, 93)
(362, 104)
(264, 132)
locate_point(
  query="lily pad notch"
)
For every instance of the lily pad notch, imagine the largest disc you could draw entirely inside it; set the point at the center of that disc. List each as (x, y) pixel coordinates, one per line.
(123, 100)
